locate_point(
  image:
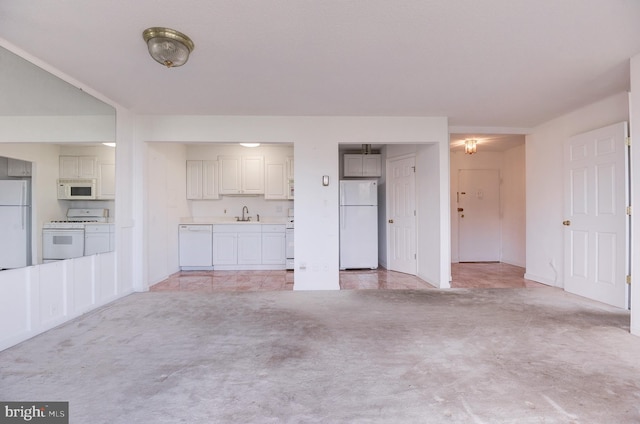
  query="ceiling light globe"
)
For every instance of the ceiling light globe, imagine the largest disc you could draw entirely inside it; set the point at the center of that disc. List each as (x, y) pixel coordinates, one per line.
(167, 46)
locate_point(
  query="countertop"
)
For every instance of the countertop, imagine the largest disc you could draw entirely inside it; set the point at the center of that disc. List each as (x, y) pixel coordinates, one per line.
(232, 220)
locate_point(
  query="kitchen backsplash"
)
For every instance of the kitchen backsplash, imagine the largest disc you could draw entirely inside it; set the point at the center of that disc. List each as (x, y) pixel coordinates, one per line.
(231, 206)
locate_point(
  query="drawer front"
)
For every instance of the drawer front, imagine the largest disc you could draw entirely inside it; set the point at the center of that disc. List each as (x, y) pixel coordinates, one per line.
(273, 228)
(237, 228)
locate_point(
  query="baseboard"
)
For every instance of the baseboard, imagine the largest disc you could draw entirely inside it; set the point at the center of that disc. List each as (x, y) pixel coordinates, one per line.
(539, 279)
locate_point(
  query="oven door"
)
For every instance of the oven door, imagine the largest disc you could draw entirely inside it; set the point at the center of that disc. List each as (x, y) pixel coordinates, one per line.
(62, 243)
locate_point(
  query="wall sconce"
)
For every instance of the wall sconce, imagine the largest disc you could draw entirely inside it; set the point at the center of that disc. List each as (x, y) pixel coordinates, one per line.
(470, 146)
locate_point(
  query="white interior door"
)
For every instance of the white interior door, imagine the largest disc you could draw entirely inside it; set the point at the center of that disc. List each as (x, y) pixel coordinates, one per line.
(596, 223)
(479, 215)
(401, 212)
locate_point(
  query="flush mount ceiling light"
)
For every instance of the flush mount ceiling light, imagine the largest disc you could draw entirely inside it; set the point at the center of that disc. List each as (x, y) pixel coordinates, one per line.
(250, 144)
(470, 146)
(167, 46)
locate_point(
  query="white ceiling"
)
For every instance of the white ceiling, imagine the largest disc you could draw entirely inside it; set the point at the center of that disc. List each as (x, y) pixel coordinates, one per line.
(489, 63)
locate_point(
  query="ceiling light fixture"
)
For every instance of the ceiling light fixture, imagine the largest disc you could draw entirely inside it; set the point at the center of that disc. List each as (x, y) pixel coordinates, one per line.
(470, 146)
(167, 46)
(250, 144)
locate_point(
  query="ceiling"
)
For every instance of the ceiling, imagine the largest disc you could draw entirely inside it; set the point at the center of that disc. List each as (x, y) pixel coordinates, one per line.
(482, 63)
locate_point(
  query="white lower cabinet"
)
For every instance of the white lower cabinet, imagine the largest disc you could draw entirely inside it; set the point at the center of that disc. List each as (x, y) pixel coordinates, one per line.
(248, 246)
(225, 248)
(273, 248)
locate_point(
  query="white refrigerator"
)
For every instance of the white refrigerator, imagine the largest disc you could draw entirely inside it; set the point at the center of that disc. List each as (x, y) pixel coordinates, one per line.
(358, 224)
(15, 224)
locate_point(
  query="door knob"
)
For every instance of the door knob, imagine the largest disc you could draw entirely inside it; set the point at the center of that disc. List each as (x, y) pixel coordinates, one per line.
(567, 223)
(391, 221)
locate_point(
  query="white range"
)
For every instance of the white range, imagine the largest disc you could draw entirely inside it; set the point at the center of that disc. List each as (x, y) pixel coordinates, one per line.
(83, 232)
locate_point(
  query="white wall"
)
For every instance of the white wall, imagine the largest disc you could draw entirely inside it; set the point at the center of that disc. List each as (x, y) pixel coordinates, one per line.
(315, 141)
(166, 203)
(635, 194)
(511, 166)
(58, 129)
(514, 207)
(545, 183)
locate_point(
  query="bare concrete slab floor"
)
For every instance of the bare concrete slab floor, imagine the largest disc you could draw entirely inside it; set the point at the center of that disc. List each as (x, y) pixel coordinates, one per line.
(533, 355)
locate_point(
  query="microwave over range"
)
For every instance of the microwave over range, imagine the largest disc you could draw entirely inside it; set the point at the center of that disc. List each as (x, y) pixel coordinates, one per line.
(77, 189)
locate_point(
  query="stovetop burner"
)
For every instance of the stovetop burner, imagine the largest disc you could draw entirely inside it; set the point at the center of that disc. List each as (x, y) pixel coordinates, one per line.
(75, 221)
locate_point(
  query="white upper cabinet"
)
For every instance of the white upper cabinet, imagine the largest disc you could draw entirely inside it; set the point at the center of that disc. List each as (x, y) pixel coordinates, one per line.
(276, 181)
(78, 167)
(241, 174)
(210, 179)
(290, 174)
(194, 179)
(106, 181)
(253, 174)
(202, 179)
(357, 165)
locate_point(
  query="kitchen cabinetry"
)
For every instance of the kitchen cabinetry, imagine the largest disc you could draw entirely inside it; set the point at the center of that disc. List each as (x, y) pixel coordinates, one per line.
(106, 181)
(278, 179)
(273, 244)
(275, 180)
(202, 179)
(357, 165)
(225, 247)
(98, 238)
(18, 168)
(290, 174)
(241, 174)
(78, 167)
(248, 246)
(237, 244)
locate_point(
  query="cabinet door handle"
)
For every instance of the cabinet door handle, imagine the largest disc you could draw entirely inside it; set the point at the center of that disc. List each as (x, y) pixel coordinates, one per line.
(391, 221)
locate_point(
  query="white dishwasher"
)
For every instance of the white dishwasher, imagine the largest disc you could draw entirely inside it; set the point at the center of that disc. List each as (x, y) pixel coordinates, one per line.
(196, 247)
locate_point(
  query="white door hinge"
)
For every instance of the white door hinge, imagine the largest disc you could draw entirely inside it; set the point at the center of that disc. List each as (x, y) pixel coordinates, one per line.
(629, 210)
(627, 141)
(628, 279)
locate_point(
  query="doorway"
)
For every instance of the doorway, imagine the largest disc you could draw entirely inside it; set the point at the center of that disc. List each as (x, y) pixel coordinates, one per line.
(505, 155)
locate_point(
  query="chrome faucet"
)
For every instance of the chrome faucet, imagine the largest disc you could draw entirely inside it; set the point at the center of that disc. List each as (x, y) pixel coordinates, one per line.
(244, 208)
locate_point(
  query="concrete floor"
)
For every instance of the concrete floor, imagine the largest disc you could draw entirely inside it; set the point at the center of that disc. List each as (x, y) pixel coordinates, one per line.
(530, 355)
